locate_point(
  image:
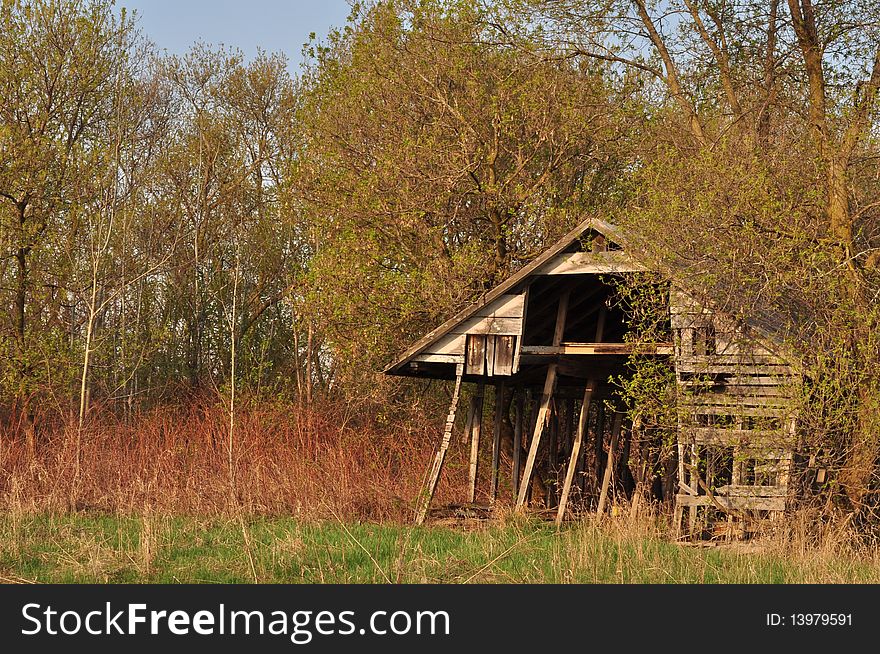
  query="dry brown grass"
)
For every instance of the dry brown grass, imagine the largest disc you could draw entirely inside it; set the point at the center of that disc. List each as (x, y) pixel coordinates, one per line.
(310, 463)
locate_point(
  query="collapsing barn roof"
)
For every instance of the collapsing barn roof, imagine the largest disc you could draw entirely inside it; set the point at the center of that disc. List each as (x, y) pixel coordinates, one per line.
(435, 354)
(552, 327)
(500, 312)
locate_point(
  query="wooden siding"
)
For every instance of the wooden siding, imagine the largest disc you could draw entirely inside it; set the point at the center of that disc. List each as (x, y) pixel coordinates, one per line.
(596, 263)
(503, 317)
(736, 417)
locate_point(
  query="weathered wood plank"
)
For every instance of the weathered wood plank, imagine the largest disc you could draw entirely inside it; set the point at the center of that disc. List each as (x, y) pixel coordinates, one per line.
(490, 355)
(439, 358)
(734, 437)
(597, 348)
(609, 462)
(575, 451)
(732, 401)
(734, 380)
(519, 417)
(745, 358)
(612, 261)
(507, 306)
(519, 341)
(440, 456)
(491, 325)
(751, 491)
(740, 411)
(504, 351)
(475, 363)
(476, 430)
(744, 393)
(741, 367)
(546, 397)
(543, 412)
(449, 344)
(496, 440)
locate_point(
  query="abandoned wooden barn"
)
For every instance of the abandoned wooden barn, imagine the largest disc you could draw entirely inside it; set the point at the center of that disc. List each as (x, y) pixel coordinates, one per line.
(551, 342)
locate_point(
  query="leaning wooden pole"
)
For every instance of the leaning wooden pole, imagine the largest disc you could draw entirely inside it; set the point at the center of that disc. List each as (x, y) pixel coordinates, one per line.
(519, 413)
(609, 463)
(476, 431)
(575, 450)
(496, 440)
(543, 411)
(440, 456)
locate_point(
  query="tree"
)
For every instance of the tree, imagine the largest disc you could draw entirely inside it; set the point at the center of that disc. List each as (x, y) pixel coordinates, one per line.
(436, 160)
(769, 205)
(223, 181)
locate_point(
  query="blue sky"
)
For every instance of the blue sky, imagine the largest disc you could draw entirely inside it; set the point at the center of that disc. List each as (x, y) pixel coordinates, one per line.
(273, 25)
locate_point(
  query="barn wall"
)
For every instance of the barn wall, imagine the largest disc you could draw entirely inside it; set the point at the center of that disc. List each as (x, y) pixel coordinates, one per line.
(503, 317)
(737, 426)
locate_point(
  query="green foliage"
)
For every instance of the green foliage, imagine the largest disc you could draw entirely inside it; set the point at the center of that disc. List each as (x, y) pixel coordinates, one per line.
(648, 390)
(437, 160)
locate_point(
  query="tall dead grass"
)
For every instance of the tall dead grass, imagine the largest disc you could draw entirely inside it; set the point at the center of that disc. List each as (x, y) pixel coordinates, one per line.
(309, 462)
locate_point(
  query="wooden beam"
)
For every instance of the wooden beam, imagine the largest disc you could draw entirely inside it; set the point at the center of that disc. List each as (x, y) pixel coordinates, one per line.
(609, 462)
(440, 456)
(435, 358)
(476, 430)
(519, 339)
(598, 348)
(575, 450)
(546, 396)
(543, 411)
(598, 443)
(694, 481)
(496, 441)
(600, 323)
(561, 317)
(466, 434)
(519, 417)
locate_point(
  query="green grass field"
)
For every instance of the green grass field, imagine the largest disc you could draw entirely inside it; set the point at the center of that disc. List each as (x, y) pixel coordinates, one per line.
(102, 549)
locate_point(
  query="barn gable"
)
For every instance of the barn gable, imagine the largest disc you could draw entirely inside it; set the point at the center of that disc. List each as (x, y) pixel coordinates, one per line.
(495, 324)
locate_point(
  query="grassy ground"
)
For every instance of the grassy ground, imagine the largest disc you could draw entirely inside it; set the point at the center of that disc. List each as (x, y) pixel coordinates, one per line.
(91, 548)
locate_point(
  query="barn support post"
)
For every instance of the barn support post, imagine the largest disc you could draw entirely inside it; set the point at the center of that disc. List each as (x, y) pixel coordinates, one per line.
(496, 440)
(519, 417)
(609, 464)
(534, 404)
(599, 450)
(694, 480)
(466, 433)
(575, 450)
(476, 431)
(570, 424)
(678, 514)
(546, 397)
(623, 476)
(635, 434)
(440, 456)
(543, 411)
(552, 451)
(582, 459)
